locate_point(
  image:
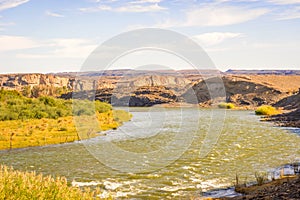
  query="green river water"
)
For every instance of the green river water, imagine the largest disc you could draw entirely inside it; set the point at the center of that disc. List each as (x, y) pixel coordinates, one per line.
(167, 153)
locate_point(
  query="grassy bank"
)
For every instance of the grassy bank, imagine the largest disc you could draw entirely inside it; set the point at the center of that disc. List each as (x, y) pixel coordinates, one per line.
(26, 122)
(28, 185)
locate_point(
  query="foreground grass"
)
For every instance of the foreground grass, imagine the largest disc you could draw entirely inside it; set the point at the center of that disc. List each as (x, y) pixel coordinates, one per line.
(28, 185)
(39, 132)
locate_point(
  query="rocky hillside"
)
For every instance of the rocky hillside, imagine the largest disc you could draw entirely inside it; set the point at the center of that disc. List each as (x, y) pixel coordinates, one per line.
(147, 88)
(240, 90)
(290, 102)
(292, 117)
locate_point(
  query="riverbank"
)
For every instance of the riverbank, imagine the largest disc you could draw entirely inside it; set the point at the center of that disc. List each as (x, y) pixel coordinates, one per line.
(40, 132)
(282, 183)
(290, 119)
(285, 188)
(27, 122)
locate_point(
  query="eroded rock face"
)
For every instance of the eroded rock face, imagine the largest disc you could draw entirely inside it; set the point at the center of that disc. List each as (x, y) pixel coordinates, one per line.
(232, 89)
(18, 81)
(290, 102)
(139, 90)
(146, 96)
(291, 118)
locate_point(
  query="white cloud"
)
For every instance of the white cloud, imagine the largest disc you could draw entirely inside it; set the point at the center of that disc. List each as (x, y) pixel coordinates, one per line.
(293, 13)
(62, 48)
(220, 16)
(96, 9)
(145, 1)
(6, 4)
(53, 14)
(140, 8)
(279, 2)
(284, 2)
(50, 48)
(9, 43)
(209, 39)
(216, 15)
(72, 48)
(134, 6)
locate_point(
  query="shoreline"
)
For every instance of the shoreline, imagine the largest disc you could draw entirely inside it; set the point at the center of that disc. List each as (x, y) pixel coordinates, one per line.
(267, 189)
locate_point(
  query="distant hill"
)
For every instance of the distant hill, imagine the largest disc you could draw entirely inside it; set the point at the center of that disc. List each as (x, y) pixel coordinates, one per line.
(261, 72)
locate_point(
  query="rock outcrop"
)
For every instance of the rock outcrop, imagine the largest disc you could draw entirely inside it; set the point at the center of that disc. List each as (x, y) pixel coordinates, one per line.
(146, 96)
(290, 102)
(238, 90)
(291, 118)
(18, 81)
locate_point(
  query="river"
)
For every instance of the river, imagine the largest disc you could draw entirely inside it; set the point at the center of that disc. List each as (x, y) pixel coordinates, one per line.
(167, 153)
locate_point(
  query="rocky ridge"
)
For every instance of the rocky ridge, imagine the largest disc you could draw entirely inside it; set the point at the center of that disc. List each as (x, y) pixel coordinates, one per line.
(147, 88)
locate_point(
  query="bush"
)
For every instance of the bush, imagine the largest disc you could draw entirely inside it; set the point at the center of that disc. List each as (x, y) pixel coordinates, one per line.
(102, 107)
(225, 105)
(267, 110)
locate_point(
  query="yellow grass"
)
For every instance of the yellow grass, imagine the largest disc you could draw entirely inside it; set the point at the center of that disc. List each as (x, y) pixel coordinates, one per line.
(28, 185)
(39, 132)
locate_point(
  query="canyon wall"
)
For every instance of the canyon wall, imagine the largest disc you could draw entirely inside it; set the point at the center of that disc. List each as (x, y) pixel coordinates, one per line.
(150, 88)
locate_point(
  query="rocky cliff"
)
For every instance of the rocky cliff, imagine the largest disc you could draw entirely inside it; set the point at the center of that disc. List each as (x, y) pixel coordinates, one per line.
(148, 88)
(18, 81)
(240, 90)
(34, 85)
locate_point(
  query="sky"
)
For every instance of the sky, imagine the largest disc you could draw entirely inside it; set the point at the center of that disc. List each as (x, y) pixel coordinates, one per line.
(58, 35)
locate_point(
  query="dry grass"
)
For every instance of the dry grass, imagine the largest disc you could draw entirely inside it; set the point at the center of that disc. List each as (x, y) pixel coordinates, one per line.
(283, 83)
(28, 185)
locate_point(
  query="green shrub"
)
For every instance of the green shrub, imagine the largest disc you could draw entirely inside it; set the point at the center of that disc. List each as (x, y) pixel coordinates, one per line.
(48, 101)
(225, 105)
(267, 110)
(102, 107)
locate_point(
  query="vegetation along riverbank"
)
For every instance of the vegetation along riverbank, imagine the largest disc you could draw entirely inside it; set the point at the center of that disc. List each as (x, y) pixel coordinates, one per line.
(26, 122)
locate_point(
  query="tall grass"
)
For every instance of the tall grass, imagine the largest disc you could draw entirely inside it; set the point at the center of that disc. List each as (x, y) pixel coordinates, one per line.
(261, 177)
(29, 185)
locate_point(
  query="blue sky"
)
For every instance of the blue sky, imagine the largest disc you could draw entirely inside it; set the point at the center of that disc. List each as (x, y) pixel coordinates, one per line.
(58, 35)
